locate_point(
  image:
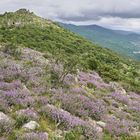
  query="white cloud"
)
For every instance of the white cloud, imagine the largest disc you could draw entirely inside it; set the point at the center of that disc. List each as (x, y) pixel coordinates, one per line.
(123, 14)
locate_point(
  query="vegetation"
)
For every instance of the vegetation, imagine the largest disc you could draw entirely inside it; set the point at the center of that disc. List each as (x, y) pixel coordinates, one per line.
(25, 28)
(50, 88)
(123, 42)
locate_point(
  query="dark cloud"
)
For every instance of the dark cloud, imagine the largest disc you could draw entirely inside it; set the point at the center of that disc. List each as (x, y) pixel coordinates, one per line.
(105, 12)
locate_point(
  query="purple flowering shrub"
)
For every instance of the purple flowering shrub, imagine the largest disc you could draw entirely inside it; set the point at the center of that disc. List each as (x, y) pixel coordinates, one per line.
(81, 105)
(131, 101)
(9, 70)
(16, 93)
(34, 77)
(10, 86)
(36, 58)
(92, 132)
(33, 136)
(29, 84)
(62, 117)
(41, 100)
(67, 121)
(135, 102)
(25, 115)
(69, 80)
(31, 75)
(29, 113)
(78, 90)
(121, 98)
(6, 125)
(119, 127)
(125, 109)
(18, 97)
(92, 79)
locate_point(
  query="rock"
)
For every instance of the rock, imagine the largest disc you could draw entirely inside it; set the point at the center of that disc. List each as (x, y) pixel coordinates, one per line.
(120, 108)
(32, 125)
(117, 87)
(4, 117)
(92, 122)
(98, 128)
(60, 132)
(101, 124)
(136, 134)
(29, 113)
(82, 137)
(123, 91)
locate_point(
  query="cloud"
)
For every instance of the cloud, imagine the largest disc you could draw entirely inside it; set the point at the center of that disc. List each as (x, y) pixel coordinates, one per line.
(111, 13)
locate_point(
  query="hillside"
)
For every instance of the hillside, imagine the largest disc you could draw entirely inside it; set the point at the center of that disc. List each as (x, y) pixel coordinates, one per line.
(55, 85)
(36, 105)
(126, 43)
(26, 29)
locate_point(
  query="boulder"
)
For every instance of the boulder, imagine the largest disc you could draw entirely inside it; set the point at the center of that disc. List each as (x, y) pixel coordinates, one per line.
(32, 125)
(101, 124)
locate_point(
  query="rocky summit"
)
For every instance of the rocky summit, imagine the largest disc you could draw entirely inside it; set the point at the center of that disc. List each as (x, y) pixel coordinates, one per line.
(55, 86)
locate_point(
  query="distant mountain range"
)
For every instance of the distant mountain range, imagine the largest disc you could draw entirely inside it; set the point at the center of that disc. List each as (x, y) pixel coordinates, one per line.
(124, 42)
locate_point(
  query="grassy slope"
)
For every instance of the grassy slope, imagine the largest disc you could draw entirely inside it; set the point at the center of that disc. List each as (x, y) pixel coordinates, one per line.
(27, 29)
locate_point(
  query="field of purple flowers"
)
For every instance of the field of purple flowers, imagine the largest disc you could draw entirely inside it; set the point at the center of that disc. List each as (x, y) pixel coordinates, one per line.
(83, 107)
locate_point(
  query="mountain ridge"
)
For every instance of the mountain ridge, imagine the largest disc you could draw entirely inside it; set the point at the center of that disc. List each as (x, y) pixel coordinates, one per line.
(102, 27)
(120, 41)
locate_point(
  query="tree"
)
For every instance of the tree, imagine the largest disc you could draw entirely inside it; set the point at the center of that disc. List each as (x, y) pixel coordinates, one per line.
(62, 65)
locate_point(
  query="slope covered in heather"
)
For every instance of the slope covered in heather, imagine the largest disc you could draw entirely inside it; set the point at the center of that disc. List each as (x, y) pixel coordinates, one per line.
(56, 85)
(36, 105)
(26, 29)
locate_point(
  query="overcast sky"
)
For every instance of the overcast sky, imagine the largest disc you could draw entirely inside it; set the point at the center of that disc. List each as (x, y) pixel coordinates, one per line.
(117, 14)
